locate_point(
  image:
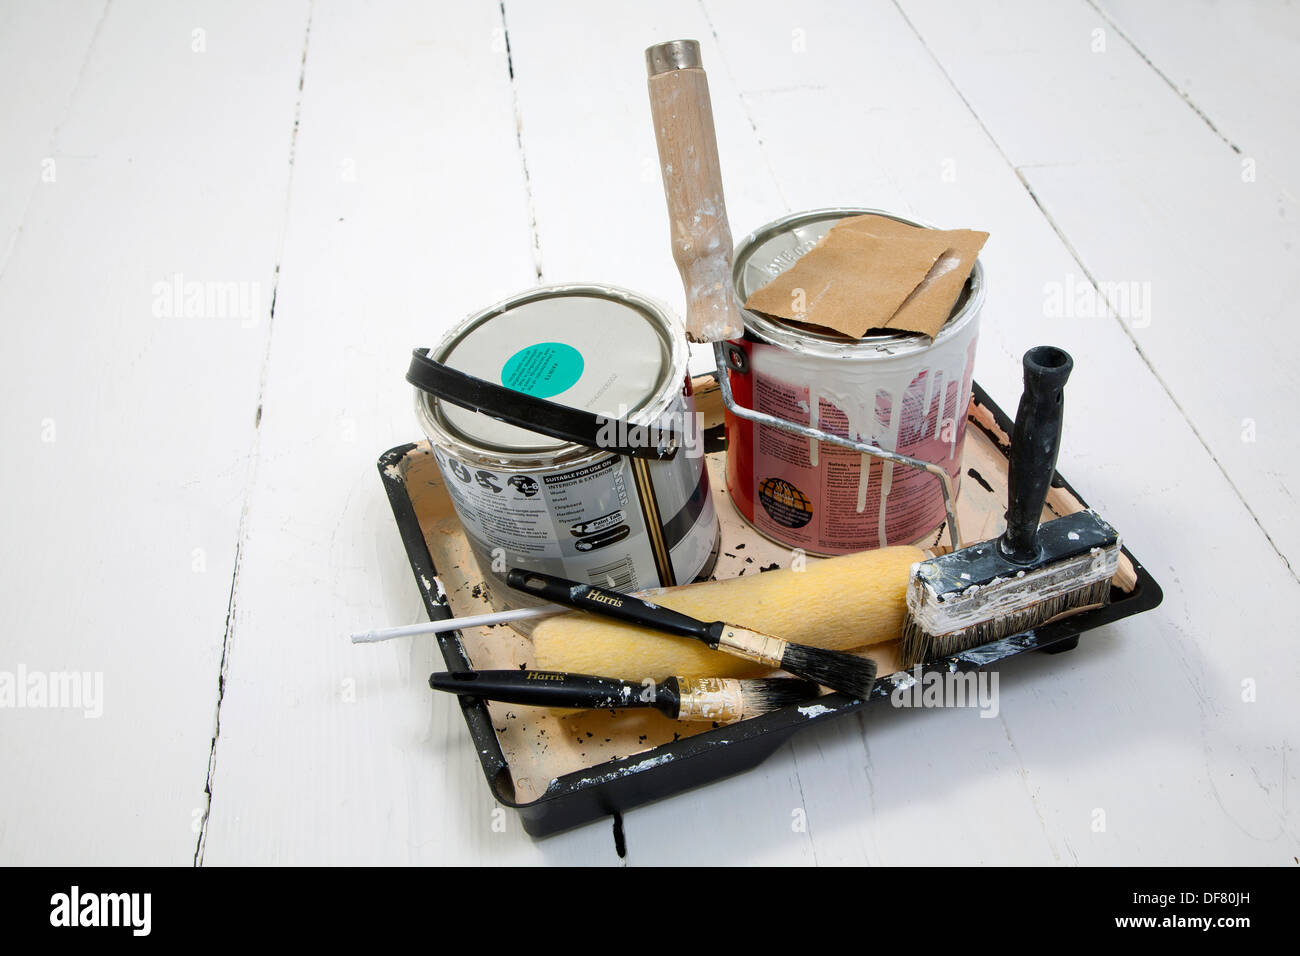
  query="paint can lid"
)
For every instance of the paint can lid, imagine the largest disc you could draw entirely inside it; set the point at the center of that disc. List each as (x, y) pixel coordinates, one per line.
(598, 348)
(772, 249)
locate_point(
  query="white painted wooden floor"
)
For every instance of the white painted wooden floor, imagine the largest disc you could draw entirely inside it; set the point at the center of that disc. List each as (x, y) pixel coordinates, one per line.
(191, 507)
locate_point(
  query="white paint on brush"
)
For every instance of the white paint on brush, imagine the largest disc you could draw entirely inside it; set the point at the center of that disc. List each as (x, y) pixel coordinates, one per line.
(1005, 596)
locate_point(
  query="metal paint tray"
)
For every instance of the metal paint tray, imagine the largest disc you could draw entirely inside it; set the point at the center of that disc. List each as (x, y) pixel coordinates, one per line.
(560, 769)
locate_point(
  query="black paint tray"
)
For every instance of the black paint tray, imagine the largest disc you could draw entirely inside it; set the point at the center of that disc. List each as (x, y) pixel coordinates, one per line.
(560, 769)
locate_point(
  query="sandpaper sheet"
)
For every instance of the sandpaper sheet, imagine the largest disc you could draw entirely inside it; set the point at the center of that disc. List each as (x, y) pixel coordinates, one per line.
(874, 273)
(930, 304)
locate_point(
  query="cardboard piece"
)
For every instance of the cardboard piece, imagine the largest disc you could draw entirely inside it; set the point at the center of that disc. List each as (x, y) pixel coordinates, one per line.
(871, 272)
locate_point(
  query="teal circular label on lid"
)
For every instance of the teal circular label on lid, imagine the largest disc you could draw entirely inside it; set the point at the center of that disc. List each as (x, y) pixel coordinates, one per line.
(543, 370)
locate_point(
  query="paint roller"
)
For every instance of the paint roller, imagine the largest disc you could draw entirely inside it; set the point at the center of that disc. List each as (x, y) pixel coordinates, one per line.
(840, 603)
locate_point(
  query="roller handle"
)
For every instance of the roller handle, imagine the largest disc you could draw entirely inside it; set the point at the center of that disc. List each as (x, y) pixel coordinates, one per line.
(1035, 443)
(608, 603)
(545, 689)
(697, 211)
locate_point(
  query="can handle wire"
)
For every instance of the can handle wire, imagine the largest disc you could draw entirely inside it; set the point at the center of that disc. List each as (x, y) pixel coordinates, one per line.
(720, 355)
(535, 414)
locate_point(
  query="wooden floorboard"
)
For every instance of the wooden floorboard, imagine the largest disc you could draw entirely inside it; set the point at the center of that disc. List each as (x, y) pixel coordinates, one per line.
(194, 512)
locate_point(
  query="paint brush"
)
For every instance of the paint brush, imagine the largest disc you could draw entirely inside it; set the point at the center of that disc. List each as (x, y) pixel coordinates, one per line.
(697, 212)
(834, 669)
(1030, 574)
(720, 699)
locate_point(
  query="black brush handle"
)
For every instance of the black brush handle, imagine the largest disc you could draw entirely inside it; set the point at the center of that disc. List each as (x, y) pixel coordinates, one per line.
(1035, 443)
(623, 607)
(551, 689)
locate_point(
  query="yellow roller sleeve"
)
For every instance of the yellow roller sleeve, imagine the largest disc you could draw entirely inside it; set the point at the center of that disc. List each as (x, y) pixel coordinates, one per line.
(838, 603)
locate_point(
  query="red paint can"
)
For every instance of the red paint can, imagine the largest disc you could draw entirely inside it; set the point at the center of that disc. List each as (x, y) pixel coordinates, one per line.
(902, 392)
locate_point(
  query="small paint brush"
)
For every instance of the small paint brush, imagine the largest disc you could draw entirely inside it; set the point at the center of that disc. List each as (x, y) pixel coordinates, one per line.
(834, 669)
(1031, 574)
(721, 699)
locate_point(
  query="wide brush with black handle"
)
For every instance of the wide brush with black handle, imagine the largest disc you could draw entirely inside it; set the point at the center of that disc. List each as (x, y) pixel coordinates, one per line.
(834, 669)
(1031, 574)
(721, 699)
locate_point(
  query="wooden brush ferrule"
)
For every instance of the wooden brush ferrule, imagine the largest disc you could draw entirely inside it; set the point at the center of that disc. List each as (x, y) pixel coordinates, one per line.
(752, 646)
(711, 698)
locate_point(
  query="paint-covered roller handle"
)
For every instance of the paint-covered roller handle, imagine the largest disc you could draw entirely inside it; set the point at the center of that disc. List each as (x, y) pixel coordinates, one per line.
(1035, 443)
(697, 212)
(542, 688)
(608, 603)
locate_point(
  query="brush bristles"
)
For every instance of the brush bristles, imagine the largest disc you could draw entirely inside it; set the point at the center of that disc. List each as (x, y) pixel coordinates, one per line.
(845, 673)
(768, 694)
(918, 647)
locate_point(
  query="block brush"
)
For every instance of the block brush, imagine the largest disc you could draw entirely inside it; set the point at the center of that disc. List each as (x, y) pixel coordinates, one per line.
(1030, 574)
(834, 669)
(720, 699)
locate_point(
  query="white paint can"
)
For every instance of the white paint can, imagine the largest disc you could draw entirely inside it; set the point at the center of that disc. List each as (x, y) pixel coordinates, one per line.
(903, 392)
(586, 510)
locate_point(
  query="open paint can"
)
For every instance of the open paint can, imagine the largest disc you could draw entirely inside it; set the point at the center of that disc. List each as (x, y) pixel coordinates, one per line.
(901, 392)
(564, 426)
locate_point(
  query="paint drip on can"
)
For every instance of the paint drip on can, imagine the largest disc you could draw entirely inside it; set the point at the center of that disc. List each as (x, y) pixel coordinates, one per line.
(599, 509)
(902, 392)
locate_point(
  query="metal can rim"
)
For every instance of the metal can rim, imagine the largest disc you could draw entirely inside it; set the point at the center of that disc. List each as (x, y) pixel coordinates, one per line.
(657, 401)
(877, 346)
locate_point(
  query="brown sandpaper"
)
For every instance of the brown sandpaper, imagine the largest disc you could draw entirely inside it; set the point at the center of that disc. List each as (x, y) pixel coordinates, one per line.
(930, 304)
(871, 272)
